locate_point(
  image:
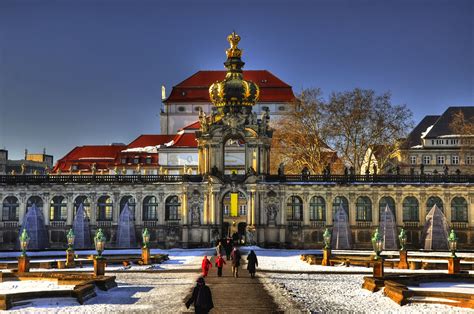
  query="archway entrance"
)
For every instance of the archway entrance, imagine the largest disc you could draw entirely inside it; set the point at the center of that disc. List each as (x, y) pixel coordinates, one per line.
(234, 216)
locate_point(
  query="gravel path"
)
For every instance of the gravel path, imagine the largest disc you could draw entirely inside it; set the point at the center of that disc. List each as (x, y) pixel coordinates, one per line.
(343, 293)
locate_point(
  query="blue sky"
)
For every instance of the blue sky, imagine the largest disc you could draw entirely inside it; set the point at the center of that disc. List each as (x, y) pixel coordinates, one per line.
(89, 72)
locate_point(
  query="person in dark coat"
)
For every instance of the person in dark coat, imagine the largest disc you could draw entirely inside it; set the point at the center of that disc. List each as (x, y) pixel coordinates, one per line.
(228, 248)
(252, 262)
(235, 256)
(201, 297)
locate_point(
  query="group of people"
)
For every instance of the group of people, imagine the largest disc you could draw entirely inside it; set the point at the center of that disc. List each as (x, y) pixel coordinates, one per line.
(201, 297)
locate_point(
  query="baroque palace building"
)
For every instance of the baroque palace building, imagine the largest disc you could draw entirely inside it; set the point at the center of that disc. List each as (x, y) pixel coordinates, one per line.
(219, 197)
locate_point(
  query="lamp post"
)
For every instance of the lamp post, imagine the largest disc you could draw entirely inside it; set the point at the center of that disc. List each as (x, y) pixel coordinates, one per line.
(145, 249)
(99, 260)
(377, 243)
(327, 248)
(23, 259)
(454, 262)
(403, 263)
(70, 249)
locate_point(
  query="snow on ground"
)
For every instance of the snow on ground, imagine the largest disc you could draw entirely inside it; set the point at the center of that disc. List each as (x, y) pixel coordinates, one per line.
(146, 292)
(458, 287)
(8, 287)
(343, 293)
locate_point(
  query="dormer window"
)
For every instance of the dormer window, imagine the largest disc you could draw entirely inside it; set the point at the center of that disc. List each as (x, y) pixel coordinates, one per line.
(265, 108)
(136, 160)
(148, 160)
(181, 109)
(198, 108)
(123, 160)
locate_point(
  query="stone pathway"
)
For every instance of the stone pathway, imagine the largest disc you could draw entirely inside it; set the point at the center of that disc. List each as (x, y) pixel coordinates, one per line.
(238, 295)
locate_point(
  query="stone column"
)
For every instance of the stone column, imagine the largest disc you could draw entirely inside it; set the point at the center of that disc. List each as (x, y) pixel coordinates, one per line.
(282, 196)
(254, 208)
(116, 208)
(329, 209)
(22, 209)
(306, 200)
(184, 205)
(138, 209)
(206, 205)
(422, 208)
(161, 208)
(447, 207)
(249, 209)
(352, 209)
(46, 208)
(399, 208)
(93, 213)
(375, 210)
(70, 209)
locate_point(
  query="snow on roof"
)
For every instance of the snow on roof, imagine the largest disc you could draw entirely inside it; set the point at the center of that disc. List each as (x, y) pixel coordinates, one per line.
(423, 134)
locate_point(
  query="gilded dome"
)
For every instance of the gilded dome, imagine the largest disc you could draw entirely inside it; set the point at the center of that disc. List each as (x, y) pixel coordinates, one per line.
(234, 91)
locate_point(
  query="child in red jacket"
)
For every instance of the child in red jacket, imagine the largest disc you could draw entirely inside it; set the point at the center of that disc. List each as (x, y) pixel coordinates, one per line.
(219, 263)
(206, 264)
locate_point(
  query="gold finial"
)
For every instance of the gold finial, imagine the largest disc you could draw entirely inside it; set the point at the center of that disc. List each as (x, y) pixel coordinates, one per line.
(233, 51)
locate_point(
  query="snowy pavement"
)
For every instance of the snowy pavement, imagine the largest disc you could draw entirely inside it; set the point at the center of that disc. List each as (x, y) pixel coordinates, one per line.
(164, 291)
(9, 287)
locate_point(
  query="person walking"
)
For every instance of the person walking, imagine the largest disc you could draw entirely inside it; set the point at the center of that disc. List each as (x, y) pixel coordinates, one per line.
(252, 262)
(205, 265)
(201, 297)
(219, 264)
(228, 248)
(219, 249)
(235, 256)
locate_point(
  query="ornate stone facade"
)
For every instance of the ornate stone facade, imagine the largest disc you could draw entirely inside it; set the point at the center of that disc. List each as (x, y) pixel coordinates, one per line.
(272, 210)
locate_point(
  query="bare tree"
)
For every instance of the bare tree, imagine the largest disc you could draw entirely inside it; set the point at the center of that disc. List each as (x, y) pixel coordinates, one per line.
(462, 125)
(362, 122)
(299, 137)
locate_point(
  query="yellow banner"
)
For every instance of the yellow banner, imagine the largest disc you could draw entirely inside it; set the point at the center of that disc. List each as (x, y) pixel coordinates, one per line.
(234, 204)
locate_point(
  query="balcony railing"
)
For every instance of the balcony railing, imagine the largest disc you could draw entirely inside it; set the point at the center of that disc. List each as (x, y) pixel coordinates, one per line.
(57, 224)
(99, 179)
(459, 225)
(318, 224)
(173, 222)
(364, 224)
(104, 223)
(411, 224)
(9, 224)
(329, 179)
(378, 178)
(150, 223)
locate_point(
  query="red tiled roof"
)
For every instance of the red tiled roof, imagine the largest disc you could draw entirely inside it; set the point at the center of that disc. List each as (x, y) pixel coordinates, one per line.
(85, 156)
(193, 126)
(196, 87)
(150, 140)
(185, 140)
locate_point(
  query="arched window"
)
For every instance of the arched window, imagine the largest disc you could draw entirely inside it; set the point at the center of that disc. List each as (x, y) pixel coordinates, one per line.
(459, 209)
(294, 208)
(82, 199)
(104, 208)
(10, 209)
(363, 209)
(434, 200)
(317, 209)
(384, 201)
(130, 200)
(172, 208)
(34, 200)
(58, 209)
(150, 208)
(410, 209)
(338, 202)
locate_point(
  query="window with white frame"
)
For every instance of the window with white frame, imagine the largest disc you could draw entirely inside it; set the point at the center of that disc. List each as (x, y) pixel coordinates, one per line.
(455, 160)
(469, 160)
(426, 160)
(413, 160)
(440, 160)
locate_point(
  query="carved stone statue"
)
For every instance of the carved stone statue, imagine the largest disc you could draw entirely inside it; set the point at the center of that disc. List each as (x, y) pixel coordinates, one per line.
(203, 121)
(23, 169)
(195, 201)
(93, 168)
(251, 171)
(272, 212)
(281, 169)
